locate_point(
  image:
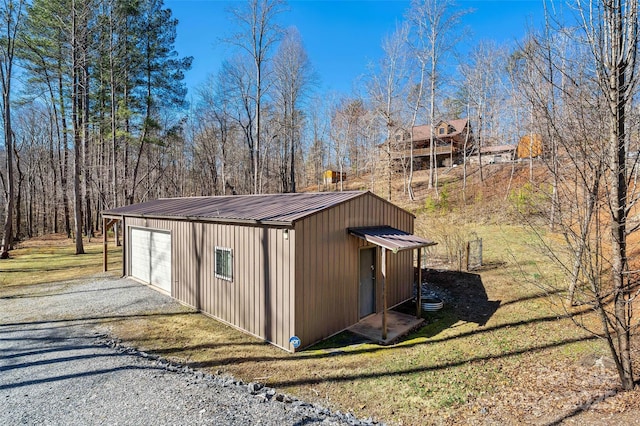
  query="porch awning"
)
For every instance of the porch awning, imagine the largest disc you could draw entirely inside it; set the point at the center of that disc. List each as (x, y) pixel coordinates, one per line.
(390, 238)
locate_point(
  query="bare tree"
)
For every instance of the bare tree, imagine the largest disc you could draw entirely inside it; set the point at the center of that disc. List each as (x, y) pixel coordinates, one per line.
(593, 196)
(346, 115)
(214, 131)
(11, 15)
(257, 35)
(293, 76)
(437, 26)
(611, 28)
(482, 80)
(317, 155)
(236, 79)
(418, 52)
(385, 91)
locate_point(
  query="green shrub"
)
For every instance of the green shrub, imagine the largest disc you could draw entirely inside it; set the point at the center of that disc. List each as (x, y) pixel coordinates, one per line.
(528, 200)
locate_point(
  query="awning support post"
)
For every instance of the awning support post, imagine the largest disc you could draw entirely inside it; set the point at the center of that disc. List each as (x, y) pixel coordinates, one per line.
(419, 286)
(383, 267)
(104, 244)
(106, 225)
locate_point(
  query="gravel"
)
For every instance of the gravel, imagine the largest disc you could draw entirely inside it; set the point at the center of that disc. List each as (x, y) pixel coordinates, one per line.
(59, 365)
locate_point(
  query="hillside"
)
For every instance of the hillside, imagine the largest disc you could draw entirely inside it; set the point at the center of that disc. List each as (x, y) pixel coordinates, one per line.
(487, 197)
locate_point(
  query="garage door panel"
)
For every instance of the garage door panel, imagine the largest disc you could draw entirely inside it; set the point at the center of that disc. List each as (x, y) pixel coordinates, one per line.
(151, 257)
(161, 260)
(140, 254)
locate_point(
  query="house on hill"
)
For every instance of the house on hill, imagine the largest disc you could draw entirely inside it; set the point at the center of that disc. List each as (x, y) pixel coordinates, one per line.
(451, 138)
(291, 269)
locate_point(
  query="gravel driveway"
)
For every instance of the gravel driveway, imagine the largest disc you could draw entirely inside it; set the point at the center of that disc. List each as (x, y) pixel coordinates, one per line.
(58, 365)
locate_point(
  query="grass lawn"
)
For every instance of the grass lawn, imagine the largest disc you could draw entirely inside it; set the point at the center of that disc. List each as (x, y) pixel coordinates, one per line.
(51, 258)
(502, 351)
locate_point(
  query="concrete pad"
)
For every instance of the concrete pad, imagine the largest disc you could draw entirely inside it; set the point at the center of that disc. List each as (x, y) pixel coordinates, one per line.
(398, 325)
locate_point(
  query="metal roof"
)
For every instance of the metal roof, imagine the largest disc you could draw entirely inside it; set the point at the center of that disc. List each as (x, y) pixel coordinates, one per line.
(391, 238)
(497, 148)
(279, 209)
(423, 132)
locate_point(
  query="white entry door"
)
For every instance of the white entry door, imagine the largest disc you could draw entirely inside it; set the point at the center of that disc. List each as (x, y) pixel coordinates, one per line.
(151, 257)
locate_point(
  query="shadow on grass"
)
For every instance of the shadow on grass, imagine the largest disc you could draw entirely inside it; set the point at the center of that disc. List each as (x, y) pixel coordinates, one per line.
(470, 304)
(401, 372)
(533, 297)
(488, 266)
(342, 345)
(338, 343)
(205, 346)
(584, 407)
(470, 301)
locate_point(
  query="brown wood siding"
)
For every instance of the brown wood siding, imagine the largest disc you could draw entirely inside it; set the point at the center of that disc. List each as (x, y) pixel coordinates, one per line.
(259, 299)
(327, 266)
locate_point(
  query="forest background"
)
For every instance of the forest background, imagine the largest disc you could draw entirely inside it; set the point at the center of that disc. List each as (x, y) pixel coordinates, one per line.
(95, 111)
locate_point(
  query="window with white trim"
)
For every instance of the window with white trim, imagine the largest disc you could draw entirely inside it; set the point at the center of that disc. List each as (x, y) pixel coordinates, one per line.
(224, 263)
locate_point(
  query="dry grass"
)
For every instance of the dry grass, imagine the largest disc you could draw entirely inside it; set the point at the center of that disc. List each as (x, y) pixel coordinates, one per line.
(51, 258)
(453, 370)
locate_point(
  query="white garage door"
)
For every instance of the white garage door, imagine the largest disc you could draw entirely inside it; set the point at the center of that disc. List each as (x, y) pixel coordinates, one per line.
(151, 257)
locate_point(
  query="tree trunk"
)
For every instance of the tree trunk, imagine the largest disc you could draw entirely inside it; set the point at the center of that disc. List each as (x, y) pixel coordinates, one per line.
(77, 138)
(6, 68)
(619, 265)
(432, 118)
(19, 193)
(293, 144)
(7, 240)
(114, 128)
(256, 146)
(63, 151)
(84, 100)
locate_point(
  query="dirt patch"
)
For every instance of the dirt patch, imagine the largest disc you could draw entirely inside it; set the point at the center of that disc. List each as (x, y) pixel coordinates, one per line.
(549, 390)
(558, 392)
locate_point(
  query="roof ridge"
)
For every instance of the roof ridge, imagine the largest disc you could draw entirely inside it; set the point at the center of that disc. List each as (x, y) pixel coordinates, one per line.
(275, 194)
(282, 208)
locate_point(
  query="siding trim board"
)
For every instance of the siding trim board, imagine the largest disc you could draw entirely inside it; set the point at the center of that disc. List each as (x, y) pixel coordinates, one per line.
(305, 285)
(266, 223)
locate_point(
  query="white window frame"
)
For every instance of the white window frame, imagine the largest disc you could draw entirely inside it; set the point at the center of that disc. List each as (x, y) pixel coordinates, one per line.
(222, 274)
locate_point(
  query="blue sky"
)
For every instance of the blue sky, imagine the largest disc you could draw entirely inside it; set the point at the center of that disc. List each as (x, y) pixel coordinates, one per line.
(341, 37)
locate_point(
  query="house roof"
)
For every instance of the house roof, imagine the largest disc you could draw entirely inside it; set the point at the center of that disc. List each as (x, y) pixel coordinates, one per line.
(423, 132)
(278, 209)
(497, 149)
(390, 238)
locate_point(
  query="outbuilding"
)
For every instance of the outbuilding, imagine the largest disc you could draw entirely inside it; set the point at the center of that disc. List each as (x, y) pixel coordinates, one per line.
(292, 269)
